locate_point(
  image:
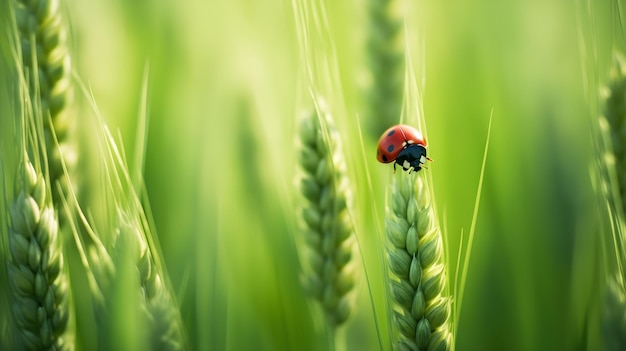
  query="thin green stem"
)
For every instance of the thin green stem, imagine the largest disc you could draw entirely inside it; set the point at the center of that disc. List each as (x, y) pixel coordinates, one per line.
(472, 231)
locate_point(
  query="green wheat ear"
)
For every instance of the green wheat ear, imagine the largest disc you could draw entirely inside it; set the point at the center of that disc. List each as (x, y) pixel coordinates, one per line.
(415, 259)
(126, 275)
(615, 115)
(129, 286)
(329, 233)
(46, 66)
(38, 282)
(613, 177)
(385, 55)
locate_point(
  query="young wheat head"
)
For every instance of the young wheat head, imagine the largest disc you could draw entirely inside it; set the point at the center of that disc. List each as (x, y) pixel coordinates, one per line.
(415, 259)
(614, 118)
(46, 67)
(126, 273)
(126, 276)
(328, 229)
(38, 283)
(385, 55)
(612, 166)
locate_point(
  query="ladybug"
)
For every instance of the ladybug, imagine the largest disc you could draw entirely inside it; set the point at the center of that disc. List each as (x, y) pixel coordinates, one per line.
(403, 145)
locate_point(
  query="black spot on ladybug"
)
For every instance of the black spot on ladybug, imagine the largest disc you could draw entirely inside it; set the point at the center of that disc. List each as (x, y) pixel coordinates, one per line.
(390, 148)
(385, 158)
(391, 132)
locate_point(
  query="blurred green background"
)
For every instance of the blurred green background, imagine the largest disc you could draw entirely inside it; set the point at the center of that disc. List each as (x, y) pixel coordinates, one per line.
(220, 157)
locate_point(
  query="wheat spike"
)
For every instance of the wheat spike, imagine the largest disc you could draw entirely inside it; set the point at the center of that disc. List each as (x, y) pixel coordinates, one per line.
(612, 171)
(46, 67)
(38, 283)
(385, 54)
(415, 260)
(328, 230)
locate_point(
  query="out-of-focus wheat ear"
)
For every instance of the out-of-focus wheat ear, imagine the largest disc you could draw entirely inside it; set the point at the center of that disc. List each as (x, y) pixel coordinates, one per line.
(385, 56)
(612, 167)
(416, 265)
(127, 283)
(328, 230)
(38, 282)
(613, 121)
(46, 66)
(165, 331)
(134, 248)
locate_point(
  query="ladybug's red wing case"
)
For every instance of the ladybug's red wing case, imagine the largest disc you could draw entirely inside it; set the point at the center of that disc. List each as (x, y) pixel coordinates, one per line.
(395, 139)
(390, 144)
(412, 135)
(404, 145)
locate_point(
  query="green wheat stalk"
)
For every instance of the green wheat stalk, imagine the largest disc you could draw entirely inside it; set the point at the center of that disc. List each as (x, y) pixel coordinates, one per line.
(415, 259)
(386, 58)
(42, 36)
(328, 230)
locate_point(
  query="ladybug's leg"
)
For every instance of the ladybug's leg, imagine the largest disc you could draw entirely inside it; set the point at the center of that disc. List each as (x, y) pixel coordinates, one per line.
(394, 167)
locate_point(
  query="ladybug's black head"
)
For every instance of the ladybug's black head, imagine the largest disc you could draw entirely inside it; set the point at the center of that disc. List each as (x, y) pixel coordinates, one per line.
(412, 158)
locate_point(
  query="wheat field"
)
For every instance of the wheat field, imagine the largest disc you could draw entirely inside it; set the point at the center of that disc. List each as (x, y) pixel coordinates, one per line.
(160, 190)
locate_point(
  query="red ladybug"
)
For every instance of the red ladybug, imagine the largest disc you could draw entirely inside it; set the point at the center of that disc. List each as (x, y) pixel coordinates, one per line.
(403, 145)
